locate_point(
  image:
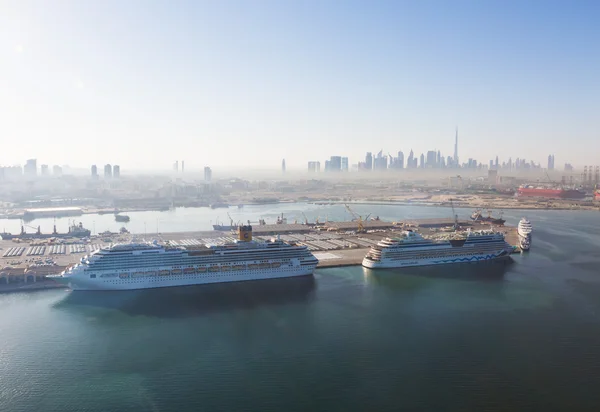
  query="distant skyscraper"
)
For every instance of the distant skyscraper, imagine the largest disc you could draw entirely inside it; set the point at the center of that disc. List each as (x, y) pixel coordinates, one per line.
(400, 161)
(335, 164)
(550, 162)
(456, 147)
(314, 167)
(30, 169)
(422, 165)
(283, 166)
(94, 172)
(369, 161)
(496, 162)
(182, 166)
(344, 164)
(207, 174)
(431, 159)
(44, 170)
(176, 166)
(116, 171)
(409, 162)
(107, 171)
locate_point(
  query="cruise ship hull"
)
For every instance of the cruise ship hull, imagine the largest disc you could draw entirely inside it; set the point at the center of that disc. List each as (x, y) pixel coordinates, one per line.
(77, 282)
(402, 263)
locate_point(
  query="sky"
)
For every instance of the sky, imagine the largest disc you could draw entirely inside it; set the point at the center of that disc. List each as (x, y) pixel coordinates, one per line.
(248, 83)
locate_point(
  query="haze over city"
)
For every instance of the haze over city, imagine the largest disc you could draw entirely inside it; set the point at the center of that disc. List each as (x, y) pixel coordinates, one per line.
(241, 84)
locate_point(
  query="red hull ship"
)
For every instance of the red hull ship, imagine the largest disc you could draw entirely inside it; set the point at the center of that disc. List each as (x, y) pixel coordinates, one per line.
(597, 195)
(550, 192)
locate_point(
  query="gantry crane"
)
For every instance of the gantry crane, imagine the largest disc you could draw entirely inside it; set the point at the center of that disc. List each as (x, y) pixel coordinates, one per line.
(358, 218)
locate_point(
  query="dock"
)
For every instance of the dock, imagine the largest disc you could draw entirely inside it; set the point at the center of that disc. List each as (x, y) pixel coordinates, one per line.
(335, 244)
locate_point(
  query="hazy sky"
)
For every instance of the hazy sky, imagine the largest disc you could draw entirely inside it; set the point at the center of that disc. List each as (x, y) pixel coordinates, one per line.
(142, 83)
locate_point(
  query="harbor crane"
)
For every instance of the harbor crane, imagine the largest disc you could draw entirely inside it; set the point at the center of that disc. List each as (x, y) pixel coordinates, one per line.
(230, 220)
(305, 218)
(358, 218)
(454, 215)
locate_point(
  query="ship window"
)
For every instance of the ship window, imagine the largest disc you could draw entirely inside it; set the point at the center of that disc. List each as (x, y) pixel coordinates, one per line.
(92, 276)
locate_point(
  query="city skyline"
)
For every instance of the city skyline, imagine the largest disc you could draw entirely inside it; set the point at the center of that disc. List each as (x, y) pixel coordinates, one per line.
(235, 83)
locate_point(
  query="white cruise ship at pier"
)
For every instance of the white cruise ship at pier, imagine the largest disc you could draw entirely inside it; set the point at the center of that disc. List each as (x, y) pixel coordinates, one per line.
(149, 265)
(412, 249)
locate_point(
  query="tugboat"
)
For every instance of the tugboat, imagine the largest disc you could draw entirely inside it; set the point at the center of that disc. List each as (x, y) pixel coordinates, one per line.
(524, 230)
(478, 216)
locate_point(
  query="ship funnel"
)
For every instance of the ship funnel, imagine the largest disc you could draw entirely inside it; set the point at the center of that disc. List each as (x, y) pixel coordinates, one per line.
(245, 233)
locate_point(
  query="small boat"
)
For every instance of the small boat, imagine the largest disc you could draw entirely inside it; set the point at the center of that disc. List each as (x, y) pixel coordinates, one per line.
(238, 267)
(225, 268)
(188, 270)
(124, 275)
(176, 272)
(264, 265)
(201, 269)
(276, 265)
(150, 274)
(164, 273)
(214, 269)
(253, 266)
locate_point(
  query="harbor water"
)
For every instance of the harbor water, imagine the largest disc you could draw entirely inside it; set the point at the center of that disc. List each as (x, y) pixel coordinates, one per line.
(517, 335)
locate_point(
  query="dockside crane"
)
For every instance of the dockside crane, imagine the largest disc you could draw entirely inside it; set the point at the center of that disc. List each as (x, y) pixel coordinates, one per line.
(454, 215)
(358, 218)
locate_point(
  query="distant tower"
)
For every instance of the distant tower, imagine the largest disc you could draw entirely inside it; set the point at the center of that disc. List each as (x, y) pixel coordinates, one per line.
(94, 172)
(283, 166)
(176, 166)
(182, 166)
(456, 147)
(107, 171)
(116, 171)
(207, 174)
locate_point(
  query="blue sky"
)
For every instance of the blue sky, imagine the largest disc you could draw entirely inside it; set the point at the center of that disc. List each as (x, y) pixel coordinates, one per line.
(246, 83)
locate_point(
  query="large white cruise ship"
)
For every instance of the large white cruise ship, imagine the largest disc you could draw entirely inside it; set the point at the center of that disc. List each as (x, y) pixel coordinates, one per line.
(524, 230)
(412, 249)
(149, 265)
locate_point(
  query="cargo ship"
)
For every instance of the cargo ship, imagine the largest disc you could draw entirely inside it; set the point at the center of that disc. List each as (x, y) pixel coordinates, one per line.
(74, 231)
(553, 192)
(121, 218)
(478, 217)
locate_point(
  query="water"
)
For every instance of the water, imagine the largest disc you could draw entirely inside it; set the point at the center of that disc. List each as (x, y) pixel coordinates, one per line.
(518, 336)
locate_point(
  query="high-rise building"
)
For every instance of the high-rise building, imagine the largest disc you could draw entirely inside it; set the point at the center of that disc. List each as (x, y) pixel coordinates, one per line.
(57, 170)
(400, 160)
(369, 161)
(550, 162)
(207, 174)
(314, 167)
(107, 171)
(30, 169)
(422, 165)
(283, 166)
(182, 166)
(176, 166)
(116, 171)
(94, 172)
(327, 165)
(409, 162)
(455, 160)
(431, 159)
(344, 164)
(496, 162)
(45, 171)
(335, 164)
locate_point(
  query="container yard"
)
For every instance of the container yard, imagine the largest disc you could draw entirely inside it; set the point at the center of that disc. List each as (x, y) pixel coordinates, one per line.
(333, 243)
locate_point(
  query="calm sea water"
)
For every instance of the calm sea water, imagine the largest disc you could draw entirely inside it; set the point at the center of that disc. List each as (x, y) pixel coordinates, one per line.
(518, 336)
